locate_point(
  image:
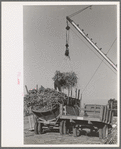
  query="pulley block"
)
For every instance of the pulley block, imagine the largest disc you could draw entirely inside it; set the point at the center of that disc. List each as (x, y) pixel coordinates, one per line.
(67, 28)
(67, 45)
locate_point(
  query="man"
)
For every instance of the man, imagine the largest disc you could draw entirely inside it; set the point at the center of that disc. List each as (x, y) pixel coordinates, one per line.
(59, 84)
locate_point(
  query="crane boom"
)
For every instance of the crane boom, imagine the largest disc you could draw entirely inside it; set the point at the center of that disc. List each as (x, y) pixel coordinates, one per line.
(93, 44)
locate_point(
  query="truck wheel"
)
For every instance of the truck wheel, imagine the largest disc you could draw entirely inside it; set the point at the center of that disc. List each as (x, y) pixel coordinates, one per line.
(36, 128)
(40, 128)
(64, 127)
(61, 127)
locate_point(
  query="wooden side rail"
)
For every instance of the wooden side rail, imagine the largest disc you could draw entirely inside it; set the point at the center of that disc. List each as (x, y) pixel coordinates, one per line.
(107, 115)
(104, 114)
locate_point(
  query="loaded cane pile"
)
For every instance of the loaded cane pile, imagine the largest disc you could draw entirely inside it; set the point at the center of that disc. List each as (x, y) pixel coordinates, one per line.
(67, 79)
(44, 99)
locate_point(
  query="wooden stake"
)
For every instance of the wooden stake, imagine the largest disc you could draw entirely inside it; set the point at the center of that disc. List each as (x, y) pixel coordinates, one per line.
(71, 92)
(76, 93)
(68, 97)
(37, 87)
(80, 104)
(111, 105)
(26, 89)
(68, 91)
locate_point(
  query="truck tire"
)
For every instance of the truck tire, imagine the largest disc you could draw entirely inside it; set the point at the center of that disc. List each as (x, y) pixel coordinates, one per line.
(40, 128)
(36, 128)
(61, 127)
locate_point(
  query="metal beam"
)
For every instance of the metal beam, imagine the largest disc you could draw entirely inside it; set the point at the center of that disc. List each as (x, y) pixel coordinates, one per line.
(93, 44)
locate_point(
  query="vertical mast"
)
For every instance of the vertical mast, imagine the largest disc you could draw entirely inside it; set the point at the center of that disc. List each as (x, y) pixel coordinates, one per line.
(94, 45)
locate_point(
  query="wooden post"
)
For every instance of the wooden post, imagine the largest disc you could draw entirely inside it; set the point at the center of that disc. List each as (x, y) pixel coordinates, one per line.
(111, 105)
(112, 117)
(71, 92)
(105, 113)
(106, 120)
(101, 112)
(109, 119)
(94, 108)
(26, 89)
(80, 105)
(76, 93)
(80, 100)
(68, 91)
(84, 109)
(37, 87)
(103, 116)
(68, 97)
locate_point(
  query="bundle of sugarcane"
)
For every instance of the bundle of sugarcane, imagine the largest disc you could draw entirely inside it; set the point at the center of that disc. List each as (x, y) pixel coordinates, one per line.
(66, 79)
(44, 98)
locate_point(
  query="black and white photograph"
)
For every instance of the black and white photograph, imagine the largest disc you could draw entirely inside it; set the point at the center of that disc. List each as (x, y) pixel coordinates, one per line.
(70, 74)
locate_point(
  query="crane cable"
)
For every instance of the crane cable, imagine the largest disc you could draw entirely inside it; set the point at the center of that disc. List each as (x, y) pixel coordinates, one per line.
(79, 11)
(91, 50)
(68, 30)
(67, 58)
(98, 66)
(67, 33)
(67, 41)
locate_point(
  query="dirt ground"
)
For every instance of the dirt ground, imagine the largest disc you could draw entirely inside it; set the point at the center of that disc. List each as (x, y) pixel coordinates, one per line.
(54, 137)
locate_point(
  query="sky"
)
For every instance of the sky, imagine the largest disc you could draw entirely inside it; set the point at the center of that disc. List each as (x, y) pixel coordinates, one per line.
(44, 38)
(33, 42)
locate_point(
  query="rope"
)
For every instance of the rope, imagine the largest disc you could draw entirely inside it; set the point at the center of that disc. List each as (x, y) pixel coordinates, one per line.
(112, 45)
(99, 66)
(67, 41)
(92, 76)
(93, 51)
(67, 34)
(68, 64)
(66, 38)
(79, 11)
(71, 67)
